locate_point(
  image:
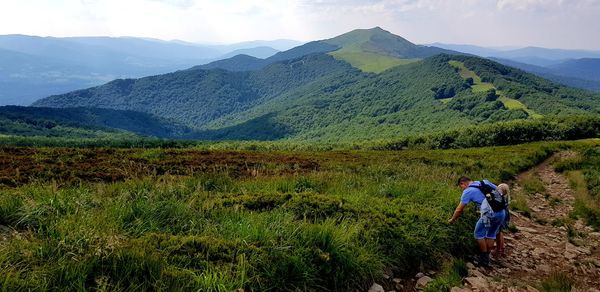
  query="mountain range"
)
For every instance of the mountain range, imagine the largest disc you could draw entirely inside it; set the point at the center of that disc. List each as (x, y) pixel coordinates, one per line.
(575, 68)
(35, 67)
(362, 85)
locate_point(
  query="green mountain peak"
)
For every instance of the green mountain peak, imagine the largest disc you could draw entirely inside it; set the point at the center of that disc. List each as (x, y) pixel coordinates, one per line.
(375, 40)
(376, 49)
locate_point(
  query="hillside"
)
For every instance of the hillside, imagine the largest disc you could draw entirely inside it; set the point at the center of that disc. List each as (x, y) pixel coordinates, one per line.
(214, 220)
(586, 68)
(320, 97)
(413, 99)
(371, 50)
(375, 50)
(197, 97)
(86, 122)
(574, 68)
(316, 98)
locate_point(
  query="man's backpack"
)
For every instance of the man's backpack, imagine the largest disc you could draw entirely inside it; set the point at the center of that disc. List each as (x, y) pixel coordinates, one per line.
(494, 197)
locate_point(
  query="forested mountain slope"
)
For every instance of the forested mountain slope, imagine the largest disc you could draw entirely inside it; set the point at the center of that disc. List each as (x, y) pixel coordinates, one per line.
(425, 96)
(86, 122)
(197, 97)
(322, 97)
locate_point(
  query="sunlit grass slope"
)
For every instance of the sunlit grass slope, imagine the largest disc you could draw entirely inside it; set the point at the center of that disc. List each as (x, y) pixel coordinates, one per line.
(370, 62)
(375, 50)
(159, 219)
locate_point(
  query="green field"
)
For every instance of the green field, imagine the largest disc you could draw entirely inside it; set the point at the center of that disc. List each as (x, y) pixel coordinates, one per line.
(464, 72)
(512, 104)
(370, 62)
(446, 100)
(482, 87)
(133, 219)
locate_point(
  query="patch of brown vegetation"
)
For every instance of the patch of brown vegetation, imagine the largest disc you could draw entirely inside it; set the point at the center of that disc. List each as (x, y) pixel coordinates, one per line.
(22, 165)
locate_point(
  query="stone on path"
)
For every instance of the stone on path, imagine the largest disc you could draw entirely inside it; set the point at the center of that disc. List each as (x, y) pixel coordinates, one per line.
(531, 289)
(376, 288)
(477, 282)
(544, 268)
(423, 281)
(528, 230)
(571, 251)
(476, 273)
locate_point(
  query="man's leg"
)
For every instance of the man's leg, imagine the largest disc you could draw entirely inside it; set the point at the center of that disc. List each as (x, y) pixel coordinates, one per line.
(483, 245)
(480, 233)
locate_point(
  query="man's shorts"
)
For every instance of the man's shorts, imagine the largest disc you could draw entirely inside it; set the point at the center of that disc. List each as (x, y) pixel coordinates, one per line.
(483, 232)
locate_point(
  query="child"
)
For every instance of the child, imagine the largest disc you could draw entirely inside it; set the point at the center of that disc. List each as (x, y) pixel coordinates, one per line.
(499, 251)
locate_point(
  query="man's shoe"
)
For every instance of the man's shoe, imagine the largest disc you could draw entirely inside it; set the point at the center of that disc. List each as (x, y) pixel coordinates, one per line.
(484, 260)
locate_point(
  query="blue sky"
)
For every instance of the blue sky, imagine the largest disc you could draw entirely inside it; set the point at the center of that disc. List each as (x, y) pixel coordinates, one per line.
(573, 24)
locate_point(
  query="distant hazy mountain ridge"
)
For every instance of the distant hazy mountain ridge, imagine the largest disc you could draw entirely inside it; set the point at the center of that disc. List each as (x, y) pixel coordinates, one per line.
(576, 68)
(36, 67)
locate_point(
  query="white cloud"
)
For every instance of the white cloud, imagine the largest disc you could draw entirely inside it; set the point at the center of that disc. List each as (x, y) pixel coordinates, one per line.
(572, 23)
(529, 4)
(178, 3)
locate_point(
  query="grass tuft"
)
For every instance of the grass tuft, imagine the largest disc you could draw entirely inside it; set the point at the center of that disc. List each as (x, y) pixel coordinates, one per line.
(451, 276)
(557, 282)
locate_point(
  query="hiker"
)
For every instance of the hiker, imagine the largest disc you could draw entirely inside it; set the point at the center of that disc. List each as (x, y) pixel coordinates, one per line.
(499, 250)
(491, 218)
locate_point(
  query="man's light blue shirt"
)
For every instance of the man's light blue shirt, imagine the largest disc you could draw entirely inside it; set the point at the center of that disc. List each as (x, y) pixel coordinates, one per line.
(473, 194)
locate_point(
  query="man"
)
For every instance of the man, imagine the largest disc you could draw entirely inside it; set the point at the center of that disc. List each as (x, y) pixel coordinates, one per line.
(488, 225)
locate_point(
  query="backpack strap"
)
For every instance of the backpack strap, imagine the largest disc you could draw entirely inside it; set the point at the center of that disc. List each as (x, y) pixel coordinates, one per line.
(481, 186)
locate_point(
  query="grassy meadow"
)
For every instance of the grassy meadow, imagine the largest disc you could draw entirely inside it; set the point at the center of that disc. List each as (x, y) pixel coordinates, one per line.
(186, 219)
(370, 62)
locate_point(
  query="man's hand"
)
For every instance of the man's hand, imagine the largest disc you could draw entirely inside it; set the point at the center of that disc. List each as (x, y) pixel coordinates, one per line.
(457, 212)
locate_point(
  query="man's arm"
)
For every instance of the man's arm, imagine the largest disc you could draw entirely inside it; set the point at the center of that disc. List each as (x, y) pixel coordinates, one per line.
(457, 212)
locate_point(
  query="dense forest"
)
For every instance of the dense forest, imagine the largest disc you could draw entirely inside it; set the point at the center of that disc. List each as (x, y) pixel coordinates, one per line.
(196, 97)
(85, 122)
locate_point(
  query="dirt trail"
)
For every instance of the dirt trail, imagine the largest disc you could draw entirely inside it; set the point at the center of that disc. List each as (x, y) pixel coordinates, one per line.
(540, 247)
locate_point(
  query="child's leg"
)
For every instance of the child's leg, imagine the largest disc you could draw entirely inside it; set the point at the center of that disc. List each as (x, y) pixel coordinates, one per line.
(500, 242)
(499, 249)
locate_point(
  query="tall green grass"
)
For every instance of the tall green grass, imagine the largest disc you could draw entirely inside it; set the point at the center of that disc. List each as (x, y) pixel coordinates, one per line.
(337, 227)
(557, 282)
(584, 176)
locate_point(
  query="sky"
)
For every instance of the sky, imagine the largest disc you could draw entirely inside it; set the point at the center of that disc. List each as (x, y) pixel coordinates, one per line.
(570, 24)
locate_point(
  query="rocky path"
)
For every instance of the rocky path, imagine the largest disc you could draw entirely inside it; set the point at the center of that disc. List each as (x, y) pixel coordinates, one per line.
(547, 243)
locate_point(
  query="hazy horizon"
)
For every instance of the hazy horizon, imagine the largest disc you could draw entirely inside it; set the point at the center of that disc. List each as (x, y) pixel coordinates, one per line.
(496, 47)
(500, 23)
